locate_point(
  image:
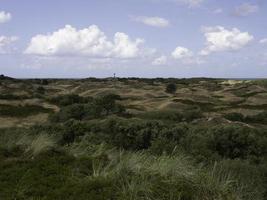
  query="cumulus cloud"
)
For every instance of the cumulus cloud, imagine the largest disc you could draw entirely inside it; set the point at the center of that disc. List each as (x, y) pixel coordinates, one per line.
(90, 42)
(5, 43)
(162, 60)
(220, 39)
(181, 53)
(152, 21)
(186, 56)
(246, 9)
(4, 17)
(263, 41)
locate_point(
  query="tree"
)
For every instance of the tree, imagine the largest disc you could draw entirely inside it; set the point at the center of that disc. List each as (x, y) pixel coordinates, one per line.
(171, 88)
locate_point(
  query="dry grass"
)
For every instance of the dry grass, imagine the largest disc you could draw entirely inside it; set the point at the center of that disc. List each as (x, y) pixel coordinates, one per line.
(40, 144)
(140, 96)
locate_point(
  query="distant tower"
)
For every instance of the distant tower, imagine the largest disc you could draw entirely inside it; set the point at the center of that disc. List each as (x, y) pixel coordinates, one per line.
(114, 76)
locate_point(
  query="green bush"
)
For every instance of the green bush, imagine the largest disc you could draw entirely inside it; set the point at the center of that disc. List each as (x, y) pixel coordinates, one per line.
(66, 100)
(171, 88)
(22, 111)
(99, 107)
(259, 118)
(235, 117)
(225, 141)
(190, 115)
(13, 96)
(168, 140)
(40, 90)
(169, 115)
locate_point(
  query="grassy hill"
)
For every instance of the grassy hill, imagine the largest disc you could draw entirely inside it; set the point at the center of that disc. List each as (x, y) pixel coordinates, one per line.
(129, 138)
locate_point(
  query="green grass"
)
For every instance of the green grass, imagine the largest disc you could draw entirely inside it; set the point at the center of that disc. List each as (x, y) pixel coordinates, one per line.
(175, 154)
(13, 97)
(204, 106)
(109, 174)
(168, 115)
(22, 111)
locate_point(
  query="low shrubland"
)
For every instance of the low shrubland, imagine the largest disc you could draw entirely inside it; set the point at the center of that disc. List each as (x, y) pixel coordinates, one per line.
(22, 110)
(79, 108)
(111, 174)
(92, 148)
(174, 116)
(119, 158)
(13, 97)
(260, 118)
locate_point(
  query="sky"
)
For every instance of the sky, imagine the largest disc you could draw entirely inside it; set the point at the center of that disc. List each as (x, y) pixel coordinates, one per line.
(133, 38)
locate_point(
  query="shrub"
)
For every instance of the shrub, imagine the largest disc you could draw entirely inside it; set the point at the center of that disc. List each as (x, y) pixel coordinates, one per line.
(40, 90)
(108, 103)
(259, 118)
(163, 115)
(99, 188)
(75, 111)
(13, 151)
(236, 142)
(235, 117)
(192, 114)
(70, 99)
(72, 129)
(171, 88)
(170, 115)
(13, 96)
(168, 140)
(22, 111)
(99, 107)
(225, 141)
(44, 82)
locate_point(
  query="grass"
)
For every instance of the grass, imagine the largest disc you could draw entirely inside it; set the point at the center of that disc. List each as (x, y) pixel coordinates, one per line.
(205, 106)
(22, 111)
(13, 97)
(152, 154)
(40, 144)
(168, 115)
(110, 174)
(87, 171)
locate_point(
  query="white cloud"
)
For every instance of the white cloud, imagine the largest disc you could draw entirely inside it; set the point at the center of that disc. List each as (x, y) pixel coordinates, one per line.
(186, 56)
(5, 17)
(181, 53)
(246, 9)
(162, 60)
(263, 41)
(5, 43)
(123, 47)
(220, 39)
(218, 11)
(90, 42)
(190, 3)
(152, 21)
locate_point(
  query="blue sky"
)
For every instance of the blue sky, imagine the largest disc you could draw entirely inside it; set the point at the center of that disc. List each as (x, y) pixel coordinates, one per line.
(143, 38)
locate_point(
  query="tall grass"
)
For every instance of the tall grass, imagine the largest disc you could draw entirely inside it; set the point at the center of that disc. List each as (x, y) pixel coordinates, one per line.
(131, 175)
(31, 144)
(40, 144)
(139, 175)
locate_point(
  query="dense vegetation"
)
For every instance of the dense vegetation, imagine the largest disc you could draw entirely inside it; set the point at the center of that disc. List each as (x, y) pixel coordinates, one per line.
(94, 148)
(21, 110)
